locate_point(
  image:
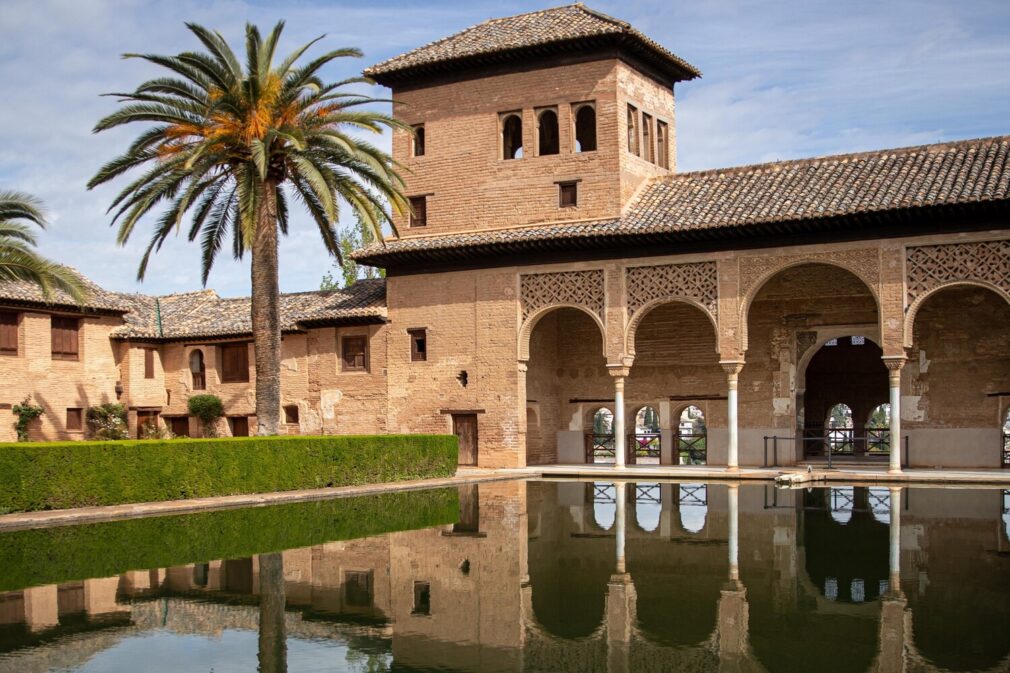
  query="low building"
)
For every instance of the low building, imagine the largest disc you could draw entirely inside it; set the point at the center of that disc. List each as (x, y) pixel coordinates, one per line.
(556, 264)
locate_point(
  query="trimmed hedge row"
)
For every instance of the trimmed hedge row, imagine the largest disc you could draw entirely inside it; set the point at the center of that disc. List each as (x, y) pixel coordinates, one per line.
(65, 554)
(58, 475)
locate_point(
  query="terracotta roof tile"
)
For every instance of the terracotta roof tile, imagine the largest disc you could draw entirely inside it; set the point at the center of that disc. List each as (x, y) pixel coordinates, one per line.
(800, 191)
(23, 292)
(534, 29)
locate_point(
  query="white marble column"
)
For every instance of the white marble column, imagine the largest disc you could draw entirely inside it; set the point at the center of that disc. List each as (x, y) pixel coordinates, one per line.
(620, 440)
(734, 532)
(732, 369)
(894, 365)
(620, 493)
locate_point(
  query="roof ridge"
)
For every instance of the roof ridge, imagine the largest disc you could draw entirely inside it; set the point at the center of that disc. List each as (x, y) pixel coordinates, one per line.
(825, 158)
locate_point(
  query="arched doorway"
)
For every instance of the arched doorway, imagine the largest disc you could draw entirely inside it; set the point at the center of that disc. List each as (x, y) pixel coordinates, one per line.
(566, 383)
(692, 437)
(647, 438)
(600, 439)
(957, 378)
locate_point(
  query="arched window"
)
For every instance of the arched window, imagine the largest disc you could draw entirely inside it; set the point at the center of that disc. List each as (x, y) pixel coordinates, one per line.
(585, 129)
(693, 507)
(547, 133)
(633, 129)
(692, 437)
(600, 440)
(838, 429)
(603, 422)
(878, 433)
(647, 438)
(198, 369)
(512, 137)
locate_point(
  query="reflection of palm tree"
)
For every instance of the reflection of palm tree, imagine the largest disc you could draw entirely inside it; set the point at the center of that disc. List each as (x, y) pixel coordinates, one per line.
(272, 635)
(367, 662)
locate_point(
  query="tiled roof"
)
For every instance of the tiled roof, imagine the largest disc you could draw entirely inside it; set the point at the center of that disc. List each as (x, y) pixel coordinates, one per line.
(726, 202)
(543, 30)
(204, 314)
(24, 292)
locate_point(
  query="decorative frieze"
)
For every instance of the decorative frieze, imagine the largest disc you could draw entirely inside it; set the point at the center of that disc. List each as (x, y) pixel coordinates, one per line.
(562, 288)
(697, 281)
(931, 266)
(863, 262)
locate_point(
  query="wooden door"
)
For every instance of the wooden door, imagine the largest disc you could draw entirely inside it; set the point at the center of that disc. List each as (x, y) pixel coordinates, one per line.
(239, 426)
(464, 426)
(146, 419)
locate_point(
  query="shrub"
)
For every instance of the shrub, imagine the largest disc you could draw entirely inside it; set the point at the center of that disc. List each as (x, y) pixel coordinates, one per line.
(55, 475)
(108, 422)
(207, 408)
(26, 413)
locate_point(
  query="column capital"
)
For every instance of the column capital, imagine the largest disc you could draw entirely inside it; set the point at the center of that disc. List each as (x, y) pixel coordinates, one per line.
(732, 367)
(618, 371)
(894, 363)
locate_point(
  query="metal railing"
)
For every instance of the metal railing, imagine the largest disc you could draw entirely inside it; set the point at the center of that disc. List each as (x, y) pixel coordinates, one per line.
(645, 444)
(692, 449)
(599, 445)
(838, 442)
(1006, 450)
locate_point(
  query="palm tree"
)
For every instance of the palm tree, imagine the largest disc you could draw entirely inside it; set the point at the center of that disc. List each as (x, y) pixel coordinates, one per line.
(230, 143)
(18, 260)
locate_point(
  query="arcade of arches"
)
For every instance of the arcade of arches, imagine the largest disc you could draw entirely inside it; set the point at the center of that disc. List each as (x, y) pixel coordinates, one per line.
(761, 353)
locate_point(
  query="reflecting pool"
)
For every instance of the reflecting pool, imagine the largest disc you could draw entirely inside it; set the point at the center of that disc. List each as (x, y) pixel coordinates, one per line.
(526, 576)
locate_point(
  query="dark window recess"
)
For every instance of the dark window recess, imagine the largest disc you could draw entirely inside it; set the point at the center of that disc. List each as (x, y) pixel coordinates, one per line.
(419, 140)
(198, 369)
(547, 127)
(291, 414)
(633, 129)
(568, 194)
(179, 425)
(239, 426)
(358, 588)
(148, 363)
(201, 572)
(418, 345)
(75, 420)
(235, 363)
(512, 137)
(65, 343)
(585, 129)
(419, 211)
(147, 421)
(647, 139)
(8, 333)
(422, 598)
(663, 145)
(354, 353)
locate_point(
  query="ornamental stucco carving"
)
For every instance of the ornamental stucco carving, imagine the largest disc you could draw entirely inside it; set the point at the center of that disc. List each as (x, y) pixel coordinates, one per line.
(571, 288)
(931, 266)
(863, 262)
(697, 281)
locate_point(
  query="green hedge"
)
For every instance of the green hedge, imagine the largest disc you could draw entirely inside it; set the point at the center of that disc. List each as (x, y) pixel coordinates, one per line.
(58, 475)
(65, 554)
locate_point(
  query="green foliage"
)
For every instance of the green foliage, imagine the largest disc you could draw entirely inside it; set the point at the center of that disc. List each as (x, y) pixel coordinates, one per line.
(57, 475)
(108, 422)
(350, 239)
(208, 409)
(26, 413)
(64, 554)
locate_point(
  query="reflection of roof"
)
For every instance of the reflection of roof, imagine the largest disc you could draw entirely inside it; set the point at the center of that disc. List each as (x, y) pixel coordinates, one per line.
(540, 33)
(773, 199)
(204, 314)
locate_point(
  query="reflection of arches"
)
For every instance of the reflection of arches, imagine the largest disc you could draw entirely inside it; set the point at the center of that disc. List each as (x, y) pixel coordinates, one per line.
(636, 320)
(526, 331)
(693, 500)
(745, 305)
(913, 308)
(648, 506)
(604, 505)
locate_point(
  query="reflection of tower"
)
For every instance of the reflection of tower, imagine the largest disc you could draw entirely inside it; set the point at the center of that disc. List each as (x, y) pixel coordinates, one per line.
(621, 596)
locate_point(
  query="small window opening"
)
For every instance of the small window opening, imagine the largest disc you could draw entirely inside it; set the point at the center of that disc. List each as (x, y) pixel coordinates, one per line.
(418, 345)
(633, 130)
(235, 363)
(198, 369)
(422, 598)
(547, 130)
(8, 333)
(354, 350)
(75, 420)
(291, 414)
(512, 137)
(239, 426)
(179, 425)
(858, 340)
(663, 143)
(65, 338)
(358, 591)
(418, 211)
(650, 149)
(585, 129)
(419, 140)
(568, 194)
(148, 363)
(463, 378)
(831, 342)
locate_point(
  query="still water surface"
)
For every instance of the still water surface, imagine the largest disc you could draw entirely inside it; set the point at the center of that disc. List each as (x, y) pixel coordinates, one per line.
(526, 576)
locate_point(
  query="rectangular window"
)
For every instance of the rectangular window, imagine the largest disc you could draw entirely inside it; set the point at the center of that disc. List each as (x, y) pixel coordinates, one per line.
(75, 420)
(148, 363)
(568, 194)
(291, 414)
(354, 353)
(418, 345)
(419, 211)
(663, 142)
(647, 145)
(8, 333)
(235, 363)
(239, 426)
(422, 598)
(633, 130)
(418, 140)
(65, 342)
(179, 425)
(358, 588)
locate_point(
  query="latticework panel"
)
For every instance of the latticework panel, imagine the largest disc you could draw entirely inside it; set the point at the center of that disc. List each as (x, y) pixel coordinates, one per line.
(574, 288)
(930, 266)
(697, 281)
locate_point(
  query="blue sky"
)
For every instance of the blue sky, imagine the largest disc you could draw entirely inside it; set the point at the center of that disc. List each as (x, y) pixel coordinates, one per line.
(781, 80)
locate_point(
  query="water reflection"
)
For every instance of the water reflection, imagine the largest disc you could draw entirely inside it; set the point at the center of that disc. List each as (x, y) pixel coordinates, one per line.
(569, 576)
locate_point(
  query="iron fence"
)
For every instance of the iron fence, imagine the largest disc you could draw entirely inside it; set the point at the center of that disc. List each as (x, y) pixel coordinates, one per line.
(692, 448)
(840, 442)
(599, 445)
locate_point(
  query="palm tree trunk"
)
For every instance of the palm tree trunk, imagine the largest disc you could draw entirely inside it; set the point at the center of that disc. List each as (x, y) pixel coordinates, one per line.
(266, 319)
